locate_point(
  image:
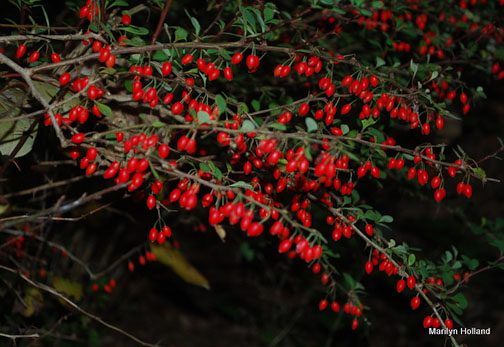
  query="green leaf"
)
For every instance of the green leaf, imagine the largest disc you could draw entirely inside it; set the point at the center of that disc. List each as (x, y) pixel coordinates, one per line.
(135, 41)
(180, 34)
(411, 259)
(241, 184)
(196, 25)
(479, 171)
(379, 62)
(203, 117)
(365, 12)
(311, 124)
(472, 264)
(349, 280)
(104, 109)
(204, 167)
(386, 219)
(221, 103)
(460, 300)
(455, 308)
(377, 4)
(247, 125)
(499, 244)
(215, 170)
(133, 29)
(160, 55)
(413, 68)
(118, 3)
(256, 105)
(368, 122)
(247, 252)
(434, 75)
(12, 132)
(277, 126)
(158, 124)
(344, 128)
(269, 11)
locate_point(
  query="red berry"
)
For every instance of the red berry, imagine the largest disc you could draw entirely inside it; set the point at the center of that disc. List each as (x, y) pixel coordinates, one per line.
(255, 229)
(131, 266)
(84, 11)
(34, 57)
(368, 267)
(167, 231)
(177, 108)
(369, 229)
(435, 182)
(151, 202)
(346, 81)
(153, 233)
(187, 59)
(335, 306)
(163, 150)
(78, 138)
(303, 109)
(55, 57)
(346, 108)
(468, 190)
(411, 282)
(415, 302)
(427, 322)
(401, 284)
(237, 58)
(21, 50)
(252, 62)
(166, 69)
(126, 19)
(64, 79)
(228, 73)
(439, 194)
(322, 305)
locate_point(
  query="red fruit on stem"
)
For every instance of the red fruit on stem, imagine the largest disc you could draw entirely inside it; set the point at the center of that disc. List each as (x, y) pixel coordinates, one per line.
(126, 19)
(401, 284)
(415, 302)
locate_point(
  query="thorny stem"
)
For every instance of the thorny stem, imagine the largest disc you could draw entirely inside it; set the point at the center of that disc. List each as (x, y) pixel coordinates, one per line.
(36, 94)
(402, 271)
(55, 293)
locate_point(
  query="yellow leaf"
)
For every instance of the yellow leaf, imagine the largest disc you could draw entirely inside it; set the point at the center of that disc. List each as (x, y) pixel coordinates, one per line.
(69, 288)
(171, 257)
(34, 300)
(220, 232)
(3, 208)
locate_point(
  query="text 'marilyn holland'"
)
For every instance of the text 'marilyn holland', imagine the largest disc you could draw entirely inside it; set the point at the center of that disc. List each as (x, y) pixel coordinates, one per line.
(459, 331)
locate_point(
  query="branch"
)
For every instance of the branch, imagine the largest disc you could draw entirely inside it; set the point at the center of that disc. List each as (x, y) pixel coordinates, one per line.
(36, 94)
(418, 287)
(65, 208)
(65, 37)
(53, 291)
(13, 337)
(161, 21)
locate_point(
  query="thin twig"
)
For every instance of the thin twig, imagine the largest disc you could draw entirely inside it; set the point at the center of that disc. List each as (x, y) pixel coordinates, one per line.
(65, 37)
(36, 94)
(161, 21)
(53, 291)
(13, 337)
